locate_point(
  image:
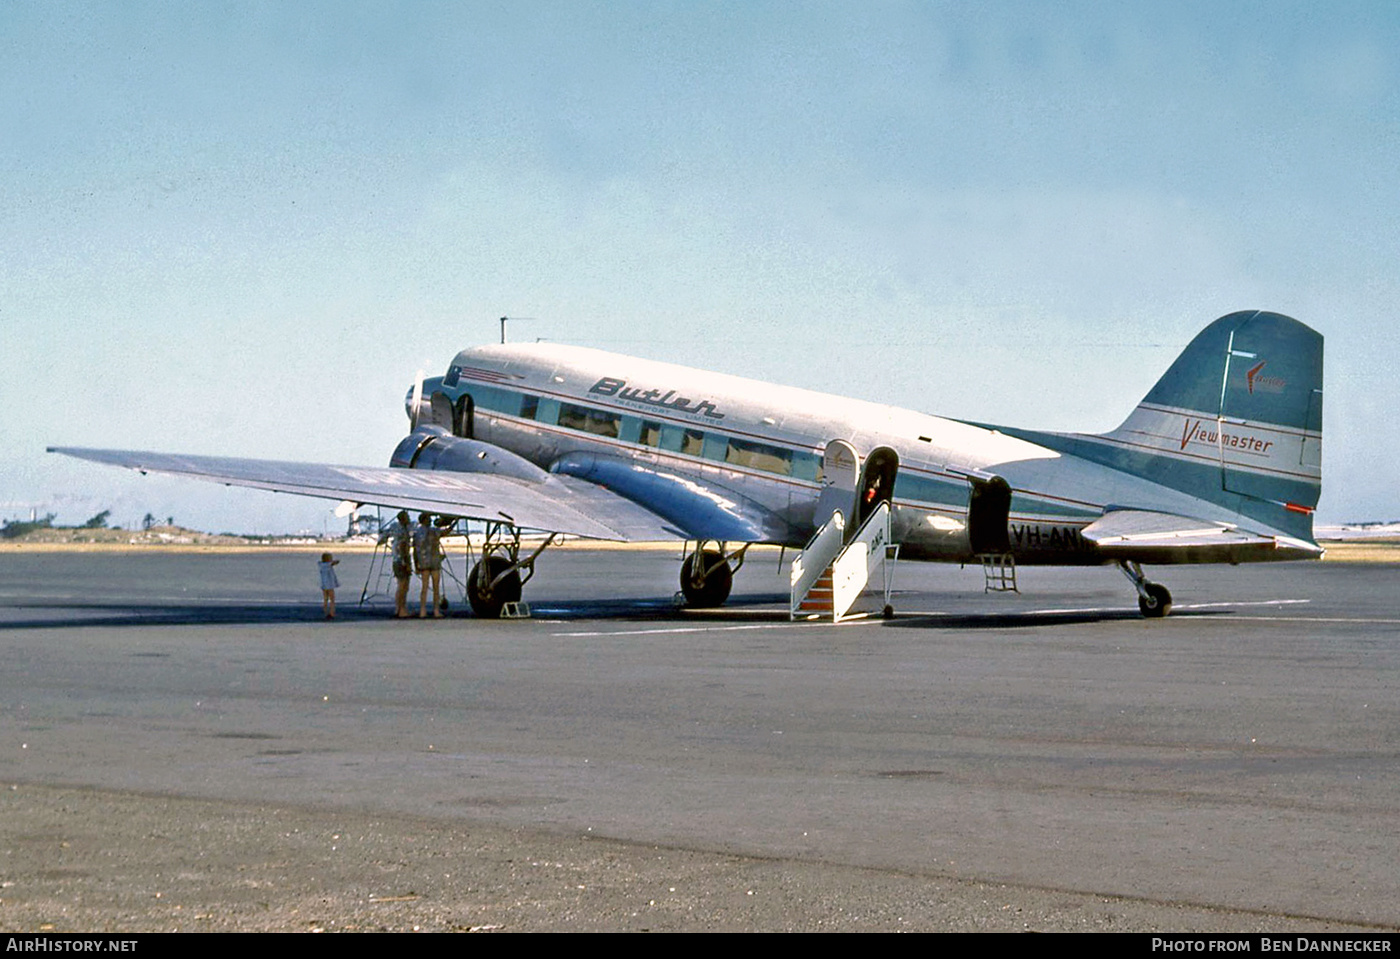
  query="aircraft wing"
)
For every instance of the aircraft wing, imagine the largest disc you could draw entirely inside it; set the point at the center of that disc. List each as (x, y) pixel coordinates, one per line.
(558, 505)
(1152, 537)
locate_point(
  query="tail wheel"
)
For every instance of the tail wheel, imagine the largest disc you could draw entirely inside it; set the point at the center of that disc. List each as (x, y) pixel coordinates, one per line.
(702, 590)
(1157, 603)
(487, 600)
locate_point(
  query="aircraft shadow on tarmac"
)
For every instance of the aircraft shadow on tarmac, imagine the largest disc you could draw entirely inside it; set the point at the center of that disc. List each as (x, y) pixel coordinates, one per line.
(749, 608)
(68, 616)
(107, 614)
(1033, 618)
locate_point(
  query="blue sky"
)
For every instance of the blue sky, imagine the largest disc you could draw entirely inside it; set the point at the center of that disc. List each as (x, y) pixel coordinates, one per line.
(240, 228)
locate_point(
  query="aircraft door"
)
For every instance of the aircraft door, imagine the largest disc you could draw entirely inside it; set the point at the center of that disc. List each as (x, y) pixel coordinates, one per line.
(440, 410)
(463, 416)
(876, 484)
(840, 474)
(988, 513)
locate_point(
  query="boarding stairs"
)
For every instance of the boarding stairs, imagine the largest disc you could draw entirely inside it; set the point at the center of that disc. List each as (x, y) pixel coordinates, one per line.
(832, 577)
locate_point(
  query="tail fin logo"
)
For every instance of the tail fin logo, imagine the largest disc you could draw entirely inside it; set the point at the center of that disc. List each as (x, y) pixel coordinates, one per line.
(1196, 431)
(1266, 384)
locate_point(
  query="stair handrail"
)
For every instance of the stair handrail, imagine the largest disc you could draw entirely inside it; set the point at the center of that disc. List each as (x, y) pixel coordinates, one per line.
(852, 567)
(816, 556)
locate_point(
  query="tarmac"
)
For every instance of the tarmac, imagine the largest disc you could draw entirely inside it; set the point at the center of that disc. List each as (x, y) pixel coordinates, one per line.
(185, 743)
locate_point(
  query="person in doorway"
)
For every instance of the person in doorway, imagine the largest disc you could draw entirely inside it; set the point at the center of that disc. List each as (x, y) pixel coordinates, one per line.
(329, 582)
(400, 539)
(427, 556)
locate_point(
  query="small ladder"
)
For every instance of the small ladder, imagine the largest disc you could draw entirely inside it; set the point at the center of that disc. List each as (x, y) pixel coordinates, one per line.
(1000, 572)
(516, 610)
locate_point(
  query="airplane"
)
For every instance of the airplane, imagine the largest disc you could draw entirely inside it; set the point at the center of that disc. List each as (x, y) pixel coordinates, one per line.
(1219, 463)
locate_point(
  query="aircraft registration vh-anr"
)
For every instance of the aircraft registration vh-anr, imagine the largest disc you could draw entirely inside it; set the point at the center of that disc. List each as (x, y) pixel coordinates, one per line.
(1220, 463)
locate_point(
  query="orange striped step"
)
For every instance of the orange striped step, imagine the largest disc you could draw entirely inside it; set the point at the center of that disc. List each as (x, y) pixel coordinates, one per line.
(818, 598)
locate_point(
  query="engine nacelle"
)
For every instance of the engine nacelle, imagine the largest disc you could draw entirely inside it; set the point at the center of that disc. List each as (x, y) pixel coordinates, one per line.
(434, 448)
(722, 513)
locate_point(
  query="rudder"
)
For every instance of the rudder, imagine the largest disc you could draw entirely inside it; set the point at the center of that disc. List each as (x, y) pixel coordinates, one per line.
(1237, 420)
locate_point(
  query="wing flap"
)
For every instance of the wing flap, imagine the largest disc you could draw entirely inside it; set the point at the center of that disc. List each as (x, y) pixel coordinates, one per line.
(554, 507)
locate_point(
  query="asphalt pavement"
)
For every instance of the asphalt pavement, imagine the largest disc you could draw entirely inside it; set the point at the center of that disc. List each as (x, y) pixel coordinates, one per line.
(1235, 766)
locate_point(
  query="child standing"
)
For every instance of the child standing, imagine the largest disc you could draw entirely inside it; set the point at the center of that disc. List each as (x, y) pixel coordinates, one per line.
(328, 583)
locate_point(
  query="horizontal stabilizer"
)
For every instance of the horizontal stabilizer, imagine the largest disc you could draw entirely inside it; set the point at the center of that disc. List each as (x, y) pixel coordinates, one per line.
(1152, 537)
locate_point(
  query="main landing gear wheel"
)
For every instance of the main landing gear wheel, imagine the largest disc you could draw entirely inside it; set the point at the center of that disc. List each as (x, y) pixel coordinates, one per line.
(486, 593)
(496, 580)
(1154, 599)
(708, 586)
(1158, 601)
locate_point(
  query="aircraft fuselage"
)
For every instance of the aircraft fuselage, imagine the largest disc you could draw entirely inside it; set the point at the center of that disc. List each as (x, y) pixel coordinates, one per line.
(583, 411)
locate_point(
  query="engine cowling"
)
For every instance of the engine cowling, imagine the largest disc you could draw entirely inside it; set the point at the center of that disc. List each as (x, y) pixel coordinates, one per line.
(434, 448)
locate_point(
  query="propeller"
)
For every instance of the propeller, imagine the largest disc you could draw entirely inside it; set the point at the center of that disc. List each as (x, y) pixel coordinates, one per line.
(416, 407)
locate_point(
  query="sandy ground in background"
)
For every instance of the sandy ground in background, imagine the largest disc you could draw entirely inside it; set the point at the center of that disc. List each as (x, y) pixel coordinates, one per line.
(1362, 551)
(1345, 551)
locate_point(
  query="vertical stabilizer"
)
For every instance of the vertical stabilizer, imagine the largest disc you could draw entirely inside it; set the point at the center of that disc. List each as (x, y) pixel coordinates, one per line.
(1236, 420)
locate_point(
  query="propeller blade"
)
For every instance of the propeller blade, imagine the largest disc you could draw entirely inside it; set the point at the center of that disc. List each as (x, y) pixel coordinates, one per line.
(417, 401)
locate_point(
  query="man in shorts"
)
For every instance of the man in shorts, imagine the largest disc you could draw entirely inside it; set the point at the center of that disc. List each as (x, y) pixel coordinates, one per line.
(400, 539)
(427, 556)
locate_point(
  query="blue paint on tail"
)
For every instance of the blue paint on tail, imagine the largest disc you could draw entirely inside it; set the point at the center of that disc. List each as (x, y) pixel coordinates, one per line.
(1270, 366)
(1241, 409)
(1236, 421)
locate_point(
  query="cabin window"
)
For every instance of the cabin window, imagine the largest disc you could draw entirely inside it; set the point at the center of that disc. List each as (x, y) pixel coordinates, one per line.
(926, 489)
(693, 442)
(715, 447)
(571, 416)
(672, 438)
(759, 456)
(631, 429)
(548, 411)
(589, 420)
(604, 424)
(651, 433)
(807, 466)
(529, 406)
(490, 398)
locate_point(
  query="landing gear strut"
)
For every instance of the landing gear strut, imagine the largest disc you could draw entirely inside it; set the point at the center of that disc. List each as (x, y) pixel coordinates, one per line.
(496, 580)
(1154, 599)
(707, 576)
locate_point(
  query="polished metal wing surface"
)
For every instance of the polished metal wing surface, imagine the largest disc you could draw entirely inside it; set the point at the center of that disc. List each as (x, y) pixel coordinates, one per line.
(556, 505)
